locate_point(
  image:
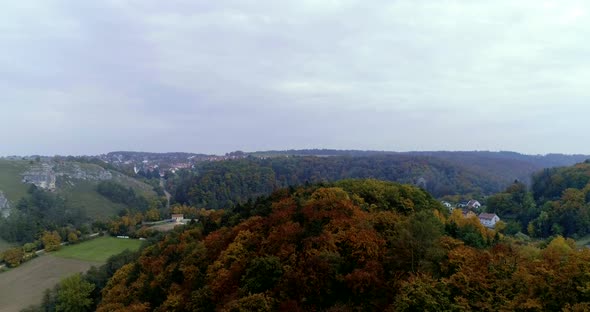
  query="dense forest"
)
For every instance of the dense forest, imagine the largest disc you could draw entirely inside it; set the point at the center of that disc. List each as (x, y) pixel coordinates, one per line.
(347, 246)
(563, 196)
(558, 203)
(118, 193)
(475, 174)
(40, 211)
(479, 158)
(227, 183)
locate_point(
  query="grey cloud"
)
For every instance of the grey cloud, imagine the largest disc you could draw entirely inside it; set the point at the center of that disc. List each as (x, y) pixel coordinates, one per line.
(214, 76)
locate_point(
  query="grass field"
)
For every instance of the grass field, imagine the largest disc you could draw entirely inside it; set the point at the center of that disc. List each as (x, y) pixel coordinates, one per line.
(97, 250)
(10, 178)
(4, 245)
(96, 206)
(23, 286)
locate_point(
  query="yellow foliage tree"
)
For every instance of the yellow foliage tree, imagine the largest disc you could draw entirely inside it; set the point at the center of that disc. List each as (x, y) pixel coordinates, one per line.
(72, 238)
(51, 240)
(14, 256)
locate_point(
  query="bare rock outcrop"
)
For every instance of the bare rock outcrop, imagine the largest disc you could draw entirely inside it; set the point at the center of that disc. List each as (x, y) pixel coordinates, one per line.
(4, 205)
(45, 175)
(75, 171)
(41, 176)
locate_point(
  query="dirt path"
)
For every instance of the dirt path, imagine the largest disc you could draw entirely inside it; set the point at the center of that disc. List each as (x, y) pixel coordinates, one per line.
(168, 196)
(24, 285)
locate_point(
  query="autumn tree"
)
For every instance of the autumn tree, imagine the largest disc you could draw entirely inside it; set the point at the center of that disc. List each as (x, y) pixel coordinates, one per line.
(51, 240)
(349, 247)
(72, 238)
(13, 256)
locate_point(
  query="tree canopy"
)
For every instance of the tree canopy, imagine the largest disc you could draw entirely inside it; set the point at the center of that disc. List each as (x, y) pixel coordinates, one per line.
(355, 244)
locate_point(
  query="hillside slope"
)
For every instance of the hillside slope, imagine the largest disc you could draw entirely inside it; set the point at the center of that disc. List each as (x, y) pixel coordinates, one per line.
(224, 184)
(76, 182)
(563, 201)
(504, 165)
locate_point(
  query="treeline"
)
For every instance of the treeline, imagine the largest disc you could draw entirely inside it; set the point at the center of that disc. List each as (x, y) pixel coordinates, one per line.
(227, 183)
(348, 246)
(118, 193)
(49, 241)
(478, 158)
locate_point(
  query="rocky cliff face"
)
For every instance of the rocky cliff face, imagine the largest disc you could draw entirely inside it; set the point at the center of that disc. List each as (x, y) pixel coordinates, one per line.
(45, 175)
(41, 176)
(4, 205)
(75, 171)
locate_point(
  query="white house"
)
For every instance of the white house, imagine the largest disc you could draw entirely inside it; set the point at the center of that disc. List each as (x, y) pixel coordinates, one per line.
(488, 219)
(177, 217)
(447, 205)
(473, 204)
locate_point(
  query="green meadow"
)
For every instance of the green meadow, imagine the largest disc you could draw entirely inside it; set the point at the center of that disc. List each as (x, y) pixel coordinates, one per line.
(98, 249)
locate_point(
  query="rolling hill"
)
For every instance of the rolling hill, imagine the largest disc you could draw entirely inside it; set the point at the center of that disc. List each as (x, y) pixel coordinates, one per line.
(473, 174)
(504, 164)
(76, 182)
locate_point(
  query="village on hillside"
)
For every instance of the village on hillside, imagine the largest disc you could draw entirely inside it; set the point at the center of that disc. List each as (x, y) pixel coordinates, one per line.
(471, 209)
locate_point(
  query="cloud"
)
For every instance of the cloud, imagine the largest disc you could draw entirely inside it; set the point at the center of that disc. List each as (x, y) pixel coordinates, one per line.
(216, 76)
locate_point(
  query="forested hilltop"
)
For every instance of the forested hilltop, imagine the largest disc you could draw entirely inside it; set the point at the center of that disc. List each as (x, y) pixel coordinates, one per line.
(479, 158)
(226, 183)
(347, 246)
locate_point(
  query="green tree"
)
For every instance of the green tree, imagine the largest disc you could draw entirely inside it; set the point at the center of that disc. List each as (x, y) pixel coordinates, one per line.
(30, 247)
(73, 294)
(262, 274)
(256, 302)
(414, 239)
(153, 215)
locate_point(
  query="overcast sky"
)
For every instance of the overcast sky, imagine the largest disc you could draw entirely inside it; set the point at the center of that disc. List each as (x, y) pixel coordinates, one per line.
(88, 77)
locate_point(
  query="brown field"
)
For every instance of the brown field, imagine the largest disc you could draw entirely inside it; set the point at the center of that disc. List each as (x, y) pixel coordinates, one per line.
(24, 286)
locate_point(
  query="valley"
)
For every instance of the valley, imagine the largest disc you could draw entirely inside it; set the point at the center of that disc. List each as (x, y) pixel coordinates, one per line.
(273, 203)
(294, 156)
